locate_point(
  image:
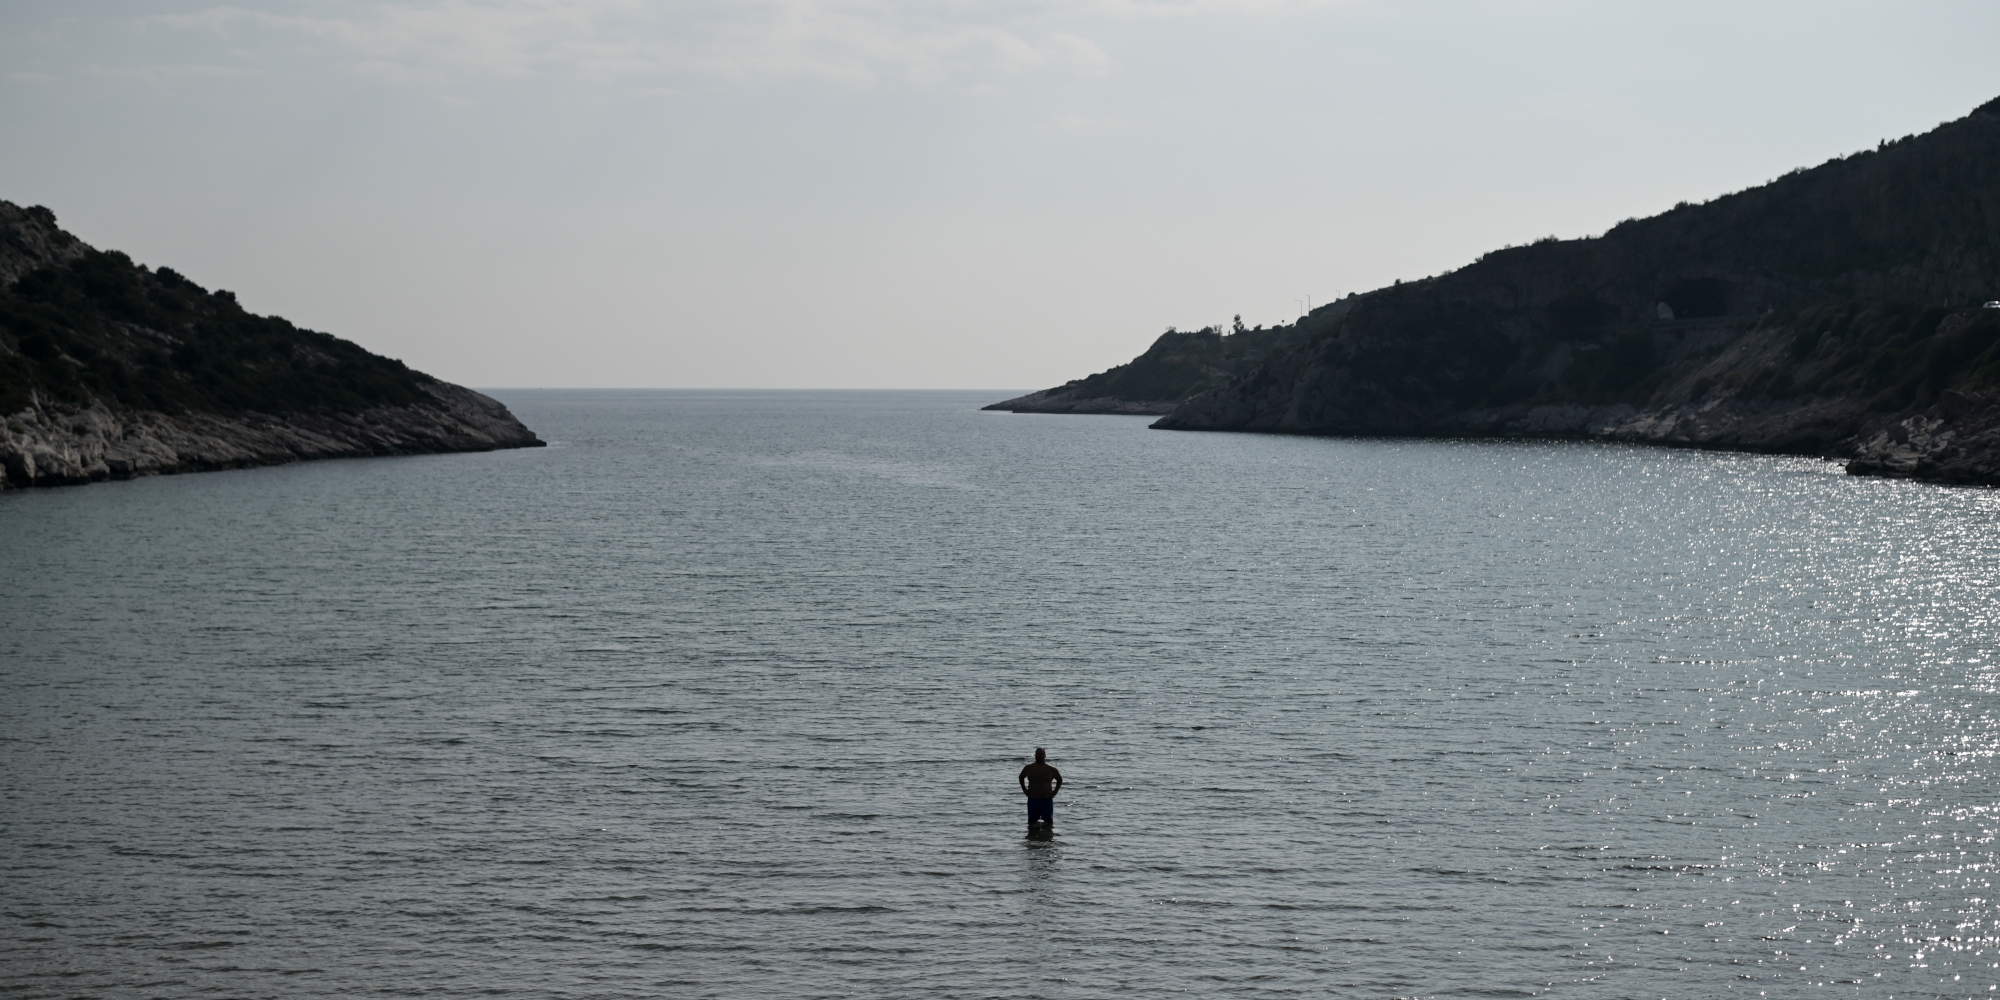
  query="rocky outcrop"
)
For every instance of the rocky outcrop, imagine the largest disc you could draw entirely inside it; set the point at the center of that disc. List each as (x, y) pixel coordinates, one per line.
(63, 444)
(1919, 403)
(110, 370)
(1179, 364)
(30, 240)
(1957, 441)
(1839, 311)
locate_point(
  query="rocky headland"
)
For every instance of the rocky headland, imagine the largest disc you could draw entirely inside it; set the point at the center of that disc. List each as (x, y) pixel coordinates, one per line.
(1179, 364)
(1850, 310)
(110, 369)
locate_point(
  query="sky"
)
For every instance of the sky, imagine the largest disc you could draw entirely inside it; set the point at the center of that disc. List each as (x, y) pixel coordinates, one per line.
(907, 193)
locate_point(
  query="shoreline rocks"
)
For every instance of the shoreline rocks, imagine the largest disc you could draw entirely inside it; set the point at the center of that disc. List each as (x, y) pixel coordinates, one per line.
(68, 445)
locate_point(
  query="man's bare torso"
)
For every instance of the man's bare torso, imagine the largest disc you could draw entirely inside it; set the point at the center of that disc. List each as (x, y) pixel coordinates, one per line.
(1041, 779)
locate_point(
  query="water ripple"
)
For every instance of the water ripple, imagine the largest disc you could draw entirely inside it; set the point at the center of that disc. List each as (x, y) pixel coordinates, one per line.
(725, 698)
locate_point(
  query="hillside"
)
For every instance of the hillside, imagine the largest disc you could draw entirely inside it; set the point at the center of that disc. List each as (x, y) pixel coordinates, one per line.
(109, 369)
(1835, 311)
(1178, 365)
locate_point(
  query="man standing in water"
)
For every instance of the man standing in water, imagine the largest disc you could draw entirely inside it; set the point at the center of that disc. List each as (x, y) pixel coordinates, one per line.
(1041, 781)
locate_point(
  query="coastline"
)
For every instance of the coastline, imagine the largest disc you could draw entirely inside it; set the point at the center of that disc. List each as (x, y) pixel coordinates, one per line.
(54, 444)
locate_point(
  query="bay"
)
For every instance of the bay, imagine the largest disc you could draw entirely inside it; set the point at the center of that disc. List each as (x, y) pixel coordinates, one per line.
(723, 694)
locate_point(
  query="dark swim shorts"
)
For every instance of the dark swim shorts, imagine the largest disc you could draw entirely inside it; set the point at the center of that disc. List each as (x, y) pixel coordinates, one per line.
(1041, 810)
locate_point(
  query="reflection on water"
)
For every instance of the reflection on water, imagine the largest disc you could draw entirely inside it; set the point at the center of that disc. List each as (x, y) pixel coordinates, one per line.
(725, 694)
(1041, 852)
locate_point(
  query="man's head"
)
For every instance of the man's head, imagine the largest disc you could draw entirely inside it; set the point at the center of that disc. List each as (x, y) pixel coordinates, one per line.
(1041, 755)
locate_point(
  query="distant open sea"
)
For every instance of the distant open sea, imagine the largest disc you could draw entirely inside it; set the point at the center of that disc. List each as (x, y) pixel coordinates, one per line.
(723, 695)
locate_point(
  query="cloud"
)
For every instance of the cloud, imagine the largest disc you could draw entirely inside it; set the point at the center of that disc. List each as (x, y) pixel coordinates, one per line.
(416, 39)
(866, 42)
(858, 42)
(1089, 126)
(162, 73)
(1185, 8)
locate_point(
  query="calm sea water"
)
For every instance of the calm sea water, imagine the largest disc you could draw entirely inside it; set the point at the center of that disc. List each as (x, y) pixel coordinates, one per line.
(723, 695)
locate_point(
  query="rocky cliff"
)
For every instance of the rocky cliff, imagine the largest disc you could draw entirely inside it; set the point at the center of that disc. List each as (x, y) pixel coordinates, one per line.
(109, 369)
(1838, 311)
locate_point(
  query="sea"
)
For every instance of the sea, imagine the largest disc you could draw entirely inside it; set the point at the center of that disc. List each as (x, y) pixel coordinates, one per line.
(725, 694)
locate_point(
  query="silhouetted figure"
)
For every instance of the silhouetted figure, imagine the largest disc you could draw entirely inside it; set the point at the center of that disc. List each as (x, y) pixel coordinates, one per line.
(1040, 782)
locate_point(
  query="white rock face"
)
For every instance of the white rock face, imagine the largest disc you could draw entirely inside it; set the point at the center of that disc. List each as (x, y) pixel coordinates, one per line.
(49, 445)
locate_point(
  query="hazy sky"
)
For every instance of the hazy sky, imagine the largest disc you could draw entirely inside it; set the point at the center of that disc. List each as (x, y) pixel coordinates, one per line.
(886, 193)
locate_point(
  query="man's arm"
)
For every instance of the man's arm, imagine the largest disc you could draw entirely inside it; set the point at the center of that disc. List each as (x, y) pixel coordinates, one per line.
(1058, 775)
(1023, 778)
